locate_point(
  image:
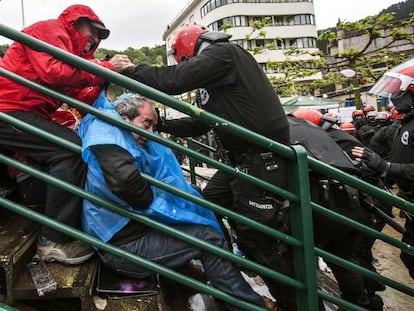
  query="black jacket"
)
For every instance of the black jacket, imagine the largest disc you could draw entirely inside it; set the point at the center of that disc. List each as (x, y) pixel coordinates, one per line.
(383, 139)
(124, 179)
(402, 157)
(231, 84)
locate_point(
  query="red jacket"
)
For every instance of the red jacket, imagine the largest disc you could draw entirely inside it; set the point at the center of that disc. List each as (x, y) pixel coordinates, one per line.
(45, 69)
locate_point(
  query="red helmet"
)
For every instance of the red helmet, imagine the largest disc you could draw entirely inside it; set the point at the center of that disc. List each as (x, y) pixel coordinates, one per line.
(348, 127)
(382, 116)
(396, 82)
(371, 115)
(367, 109)
(358, 114)
(395, 115)
(332, 116)
(310, 115)
(184, 44)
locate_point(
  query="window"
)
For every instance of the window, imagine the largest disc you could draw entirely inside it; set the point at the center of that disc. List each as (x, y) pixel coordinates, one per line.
(260, 43)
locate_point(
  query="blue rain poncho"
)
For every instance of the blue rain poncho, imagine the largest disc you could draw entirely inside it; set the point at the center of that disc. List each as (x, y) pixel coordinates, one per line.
(152, 159)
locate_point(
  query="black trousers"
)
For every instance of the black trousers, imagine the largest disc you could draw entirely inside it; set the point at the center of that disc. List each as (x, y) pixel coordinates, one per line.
(408, 237)
(257, 204)
(61, 163)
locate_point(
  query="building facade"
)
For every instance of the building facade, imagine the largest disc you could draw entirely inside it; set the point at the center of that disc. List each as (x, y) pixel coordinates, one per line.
(384, 41)
(291, 24)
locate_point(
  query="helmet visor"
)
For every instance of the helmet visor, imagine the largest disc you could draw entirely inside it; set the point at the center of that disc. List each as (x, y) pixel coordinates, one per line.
(392, 85)
(171, 60)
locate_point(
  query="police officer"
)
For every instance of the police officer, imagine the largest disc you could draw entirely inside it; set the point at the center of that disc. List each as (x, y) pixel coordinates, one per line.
(398, 85)
(231, 85)
(330, 235)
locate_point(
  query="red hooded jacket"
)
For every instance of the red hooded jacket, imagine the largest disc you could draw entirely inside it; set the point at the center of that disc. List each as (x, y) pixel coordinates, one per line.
(45, 69)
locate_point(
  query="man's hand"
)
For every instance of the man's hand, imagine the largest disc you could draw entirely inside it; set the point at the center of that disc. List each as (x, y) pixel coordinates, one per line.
(120, 62)
(371, 159)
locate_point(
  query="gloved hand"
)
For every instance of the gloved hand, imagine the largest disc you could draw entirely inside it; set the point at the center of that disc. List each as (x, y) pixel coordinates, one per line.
(160, 122)
(374, 162)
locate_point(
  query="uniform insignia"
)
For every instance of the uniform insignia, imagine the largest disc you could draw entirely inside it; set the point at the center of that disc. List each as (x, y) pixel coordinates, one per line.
(405, 137)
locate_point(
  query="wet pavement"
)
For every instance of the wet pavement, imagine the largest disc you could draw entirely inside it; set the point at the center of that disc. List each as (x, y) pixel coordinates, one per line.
(389, 264)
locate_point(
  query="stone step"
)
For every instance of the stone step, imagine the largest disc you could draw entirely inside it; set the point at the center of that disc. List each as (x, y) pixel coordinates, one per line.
(73, 283)
(76, 290)
(17, 246)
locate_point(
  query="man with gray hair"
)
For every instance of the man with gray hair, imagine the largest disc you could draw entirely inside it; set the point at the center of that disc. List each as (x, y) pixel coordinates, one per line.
(115, 159)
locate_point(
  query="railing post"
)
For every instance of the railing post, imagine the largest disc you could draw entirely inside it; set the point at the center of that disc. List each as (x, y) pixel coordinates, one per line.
(191, 163)
(302, 229)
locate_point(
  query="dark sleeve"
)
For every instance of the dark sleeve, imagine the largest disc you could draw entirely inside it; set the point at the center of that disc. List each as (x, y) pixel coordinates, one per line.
(185, 127)
(401, 170)
(378, 141)
(122, 175)
(213, 67)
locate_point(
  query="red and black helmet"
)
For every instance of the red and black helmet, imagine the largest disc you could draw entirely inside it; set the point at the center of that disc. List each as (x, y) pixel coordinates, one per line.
(184, 45)
(367, 109)
(396, 82)
(371, 115)
(347, 127)
(383, 117)
(358, 114)
(395, 115)
(310, 115)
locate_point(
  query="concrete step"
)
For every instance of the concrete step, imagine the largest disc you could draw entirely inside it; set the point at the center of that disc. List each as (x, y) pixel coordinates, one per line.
(17, 246)
(76, 290)
(73, 283)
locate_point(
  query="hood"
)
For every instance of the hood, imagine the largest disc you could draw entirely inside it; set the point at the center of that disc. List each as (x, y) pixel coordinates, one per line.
(74, 12)
(71, 14)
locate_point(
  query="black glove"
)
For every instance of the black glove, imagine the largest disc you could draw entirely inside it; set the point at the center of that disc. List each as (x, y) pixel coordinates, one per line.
(375, 162)
(160, 122)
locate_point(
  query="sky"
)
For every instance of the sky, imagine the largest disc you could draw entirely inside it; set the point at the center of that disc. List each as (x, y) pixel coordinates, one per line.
(139, 23)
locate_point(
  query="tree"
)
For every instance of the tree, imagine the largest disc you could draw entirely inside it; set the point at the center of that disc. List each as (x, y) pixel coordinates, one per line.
(3, 48)
(146, 55)
(381, 34)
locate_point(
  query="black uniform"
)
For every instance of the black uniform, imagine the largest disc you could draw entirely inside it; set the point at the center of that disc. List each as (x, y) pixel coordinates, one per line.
(365, 133)
(359, 122)
(402, 171)
(332, 146)
(232, 85)
(383, 139)
(363, 252)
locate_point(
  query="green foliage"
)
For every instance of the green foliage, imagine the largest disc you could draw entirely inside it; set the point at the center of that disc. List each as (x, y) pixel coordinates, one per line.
(152, 56)
(365, 60)
(4, 47)
(257, 26)
(226, 26)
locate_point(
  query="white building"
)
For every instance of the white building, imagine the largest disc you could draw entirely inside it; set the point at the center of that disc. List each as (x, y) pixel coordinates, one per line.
(292, 25)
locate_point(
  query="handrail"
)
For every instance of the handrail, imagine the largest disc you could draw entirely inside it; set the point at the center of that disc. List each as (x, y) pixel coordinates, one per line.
(298, 194)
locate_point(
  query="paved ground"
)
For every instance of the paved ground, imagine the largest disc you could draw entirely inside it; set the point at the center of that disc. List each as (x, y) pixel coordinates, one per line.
(390, 265)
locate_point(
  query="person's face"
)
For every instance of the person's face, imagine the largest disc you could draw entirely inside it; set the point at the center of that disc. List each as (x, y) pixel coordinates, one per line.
(85, 28)
(146, 120)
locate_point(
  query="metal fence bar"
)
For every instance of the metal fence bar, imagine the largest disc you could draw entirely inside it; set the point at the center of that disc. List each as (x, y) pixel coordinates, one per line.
(301, 244)
(302, 228)
(148, 221)
(147, 264)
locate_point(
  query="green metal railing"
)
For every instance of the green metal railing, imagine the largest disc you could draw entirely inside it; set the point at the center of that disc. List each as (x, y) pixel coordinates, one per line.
(298, 192)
